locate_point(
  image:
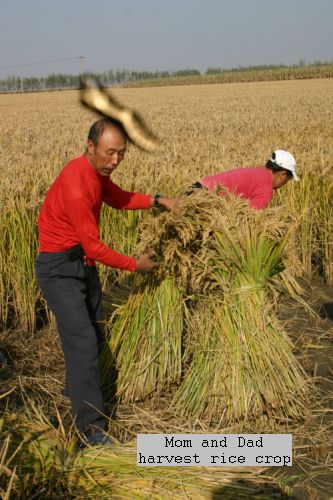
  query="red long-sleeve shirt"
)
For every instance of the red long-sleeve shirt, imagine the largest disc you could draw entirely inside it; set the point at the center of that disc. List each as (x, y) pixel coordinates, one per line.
(254, 184)
(71, 210)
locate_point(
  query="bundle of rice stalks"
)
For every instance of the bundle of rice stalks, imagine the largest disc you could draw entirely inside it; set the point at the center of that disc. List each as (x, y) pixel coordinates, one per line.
(185, 241)
(145, 340)
(242, 366)
(238, 361)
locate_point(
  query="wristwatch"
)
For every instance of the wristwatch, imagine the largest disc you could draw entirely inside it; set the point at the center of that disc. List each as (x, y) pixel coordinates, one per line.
(156, 200)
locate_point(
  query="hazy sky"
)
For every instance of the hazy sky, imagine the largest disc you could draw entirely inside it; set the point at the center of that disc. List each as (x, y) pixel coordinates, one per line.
(162, 34)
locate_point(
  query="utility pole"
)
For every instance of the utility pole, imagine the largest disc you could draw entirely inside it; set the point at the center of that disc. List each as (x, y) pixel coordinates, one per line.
(21, 84)
(81, 65)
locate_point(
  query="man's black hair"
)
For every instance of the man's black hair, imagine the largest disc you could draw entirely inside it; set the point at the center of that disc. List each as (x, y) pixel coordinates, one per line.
(97, 129)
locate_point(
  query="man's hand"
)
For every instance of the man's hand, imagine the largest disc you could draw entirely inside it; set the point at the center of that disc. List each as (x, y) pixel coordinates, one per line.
(168, 203)
(145, 264)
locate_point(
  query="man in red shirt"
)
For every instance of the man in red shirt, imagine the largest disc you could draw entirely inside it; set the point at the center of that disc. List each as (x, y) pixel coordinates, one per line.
(255, 184)
(69, 244)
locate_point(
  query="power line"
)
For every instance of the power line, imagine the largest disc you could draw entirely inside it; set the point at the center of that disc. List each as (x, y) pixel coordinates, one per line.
(41, 62)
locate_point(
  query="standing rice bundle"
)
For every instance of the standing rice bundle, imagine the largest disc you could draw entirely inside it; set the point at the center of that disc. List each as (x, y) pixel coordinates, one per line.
(238, 361)
(242, 364)
(145, 340)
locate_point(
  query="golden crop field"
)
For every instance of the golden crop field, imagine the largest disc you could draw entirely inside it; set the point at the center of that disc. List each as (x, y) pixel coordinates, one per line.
(203, 129)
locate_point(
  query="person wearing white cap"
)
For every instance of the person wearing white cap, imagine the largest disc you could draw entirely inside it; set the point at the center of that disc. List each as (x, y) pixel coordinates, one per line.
(256, 184)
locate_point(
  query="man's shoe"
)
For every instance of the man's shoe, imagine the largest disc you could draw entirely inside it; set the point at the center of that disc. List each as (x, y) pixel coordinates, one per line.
(97, 437)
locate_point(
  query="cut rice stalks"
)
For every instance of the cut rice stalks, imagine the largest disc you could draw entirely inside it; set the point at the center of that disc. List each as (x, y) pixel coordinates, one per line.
(242, 366)
(145, 340)
(238, 362)
(42, 462)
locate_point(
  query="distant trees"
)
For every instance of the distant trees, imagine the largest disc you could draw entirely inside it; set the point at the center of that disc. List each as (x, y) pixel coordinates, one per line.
(68, 81)
(264, 67)
(124, 76)
(55, 80)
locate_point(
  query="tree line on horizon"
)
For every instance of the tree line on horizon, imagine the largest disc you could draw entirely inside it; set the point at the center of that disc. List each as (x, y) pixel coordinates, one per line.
(124, 76)
(72, 81)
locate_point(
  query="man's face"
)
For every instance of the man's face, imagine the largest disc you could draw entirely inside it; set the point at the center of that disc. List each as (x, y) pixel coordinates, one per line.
(280, 179)
(109, 151)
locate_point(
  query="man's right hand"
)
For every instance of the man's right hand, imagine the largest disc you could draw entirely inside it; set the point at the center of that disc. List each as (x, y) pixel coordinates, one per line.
(145, 264)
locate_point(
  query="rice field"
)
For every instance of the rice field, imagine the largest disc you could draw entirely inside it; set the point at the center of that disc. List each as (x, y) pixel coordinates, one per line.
(179, 381)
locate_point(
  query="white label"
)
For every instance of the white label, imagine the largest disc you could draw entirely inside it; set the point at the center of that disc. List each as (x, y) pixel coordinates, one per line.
(214, 450)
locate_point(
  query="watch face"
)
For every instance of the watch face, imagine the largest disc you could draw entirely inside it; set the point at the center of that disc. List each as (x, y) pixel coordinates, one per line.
(156, 199)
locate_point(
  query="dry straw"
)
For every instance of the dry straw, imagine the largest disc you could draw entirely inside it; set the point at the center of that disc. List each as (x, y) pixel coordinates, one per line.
(39, 461)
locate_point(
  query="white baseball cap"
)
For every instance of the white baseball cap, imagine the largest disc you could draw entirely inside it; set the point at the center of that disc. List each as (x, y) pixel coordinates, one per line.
(285, 160)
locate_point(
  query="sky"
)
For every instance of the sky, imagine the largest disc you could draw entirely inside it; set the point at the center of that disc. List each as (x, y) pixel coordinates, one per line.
(161, 34)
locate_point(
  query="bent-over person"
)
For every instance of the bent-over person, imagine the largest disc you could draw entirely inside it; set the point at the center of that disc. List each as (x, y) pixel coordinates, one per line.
(256, 184)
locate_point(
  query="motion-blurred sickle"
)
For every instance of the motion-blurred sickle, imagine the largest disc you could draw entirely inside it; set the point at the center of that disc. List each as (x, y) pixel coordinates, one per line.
(102, 101)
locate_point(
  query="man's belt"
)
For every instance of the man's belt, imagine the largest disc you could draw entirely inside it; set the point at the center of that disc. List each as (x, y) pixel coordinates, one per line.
(74, 253)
